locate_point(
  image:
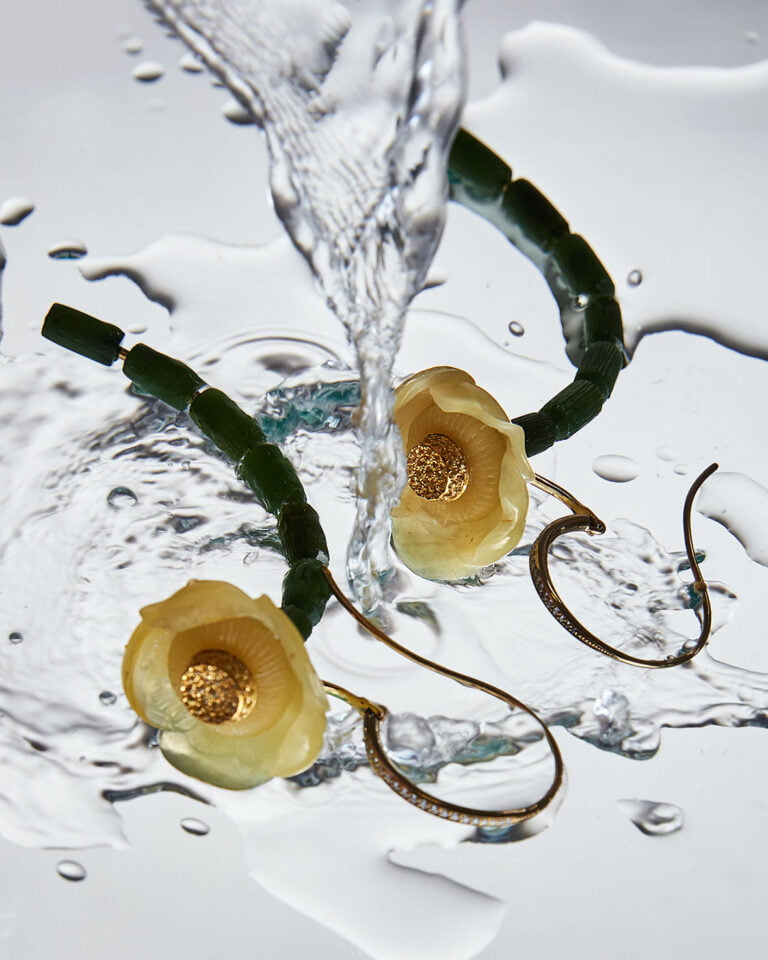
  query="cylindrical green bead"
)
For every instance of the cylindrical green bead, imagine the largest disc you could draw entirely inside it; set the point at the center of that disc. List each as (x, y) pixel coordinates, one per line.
(573, 407)
(222, 421)
(301, 535)
(271, 476)
(83, 334)
(476, 175)
(602, 322)
(539, 432)
(531, 217)
(300, 619)
(160, 376)
(305, 587)
(601, 366)
(575, 271)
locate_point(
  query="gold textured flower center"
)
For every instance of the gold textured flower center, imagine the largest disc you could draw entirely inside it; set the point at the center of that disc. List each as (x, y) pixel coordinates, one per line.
(437, 469)
(217, 687)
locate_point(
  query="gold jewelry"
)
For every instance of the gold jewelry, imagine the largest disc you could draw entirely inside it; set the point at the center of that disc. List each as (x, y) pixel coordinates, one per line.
(584, 519)
(374, 713)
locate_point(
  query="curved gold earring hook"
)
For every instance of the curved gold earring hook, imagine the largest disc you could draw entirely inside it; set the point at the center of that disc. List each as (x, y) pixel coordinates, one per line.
(374, 713)
(584, 519)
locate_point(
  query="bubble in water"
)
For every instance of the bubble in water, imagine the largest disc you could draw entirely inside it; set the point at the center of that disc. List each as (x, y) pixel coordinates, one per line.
(515, 328)
(15, 637)
(148, 71)
(120, 497)
(236, 113)
(194, 826)
(67, 250)
(71, 870)
(616, 468)
(133, 45)
(651, 818)
(107, 698)
(190, 63)
(14, 210)
(634, 278)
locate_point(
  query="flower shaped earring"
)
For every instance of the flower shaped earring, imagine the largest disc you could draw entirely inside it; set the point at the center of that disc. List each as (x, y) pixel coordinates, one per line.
(465, 503)
(227, 681)
(467, 497)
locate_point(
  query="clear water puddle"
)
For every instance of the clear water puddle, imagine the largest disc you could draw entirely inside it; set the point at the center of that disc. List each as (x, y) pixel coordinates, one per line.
(123, 502)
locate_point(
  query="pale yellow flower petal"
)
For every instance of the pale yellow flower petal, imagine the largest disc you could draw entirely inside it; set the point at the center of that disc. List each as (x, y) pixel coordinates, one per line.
(282, 731)
(450, 540)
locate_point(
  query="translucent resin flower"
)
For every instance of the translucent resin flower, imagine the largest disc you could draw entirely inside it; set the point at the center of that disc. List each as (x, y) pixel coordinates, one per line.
(466, 499)
(228, 682)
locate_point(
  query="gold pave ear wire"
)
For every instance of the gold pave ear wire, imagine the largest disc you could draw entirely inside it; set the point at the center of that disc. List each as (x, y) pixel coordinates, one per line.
(584, 519)
(374, 713)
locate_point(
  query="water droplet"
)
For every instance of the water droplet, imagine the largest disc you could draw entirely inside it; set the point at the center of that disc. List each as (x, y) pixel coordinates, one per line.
(616, 468)
(751, 37)
(194, 826)
(120, 497)
(133, 45)
(666, 453)
(15, 637)
(516, 329)
(580, 302)
(634, 278)
(148, 71)
(190, 64)
(236, 113)
(651, 818)
(14, 210)
(251, 557)
(71, 870)
(107, 698)
(681, 469)
(67, 250)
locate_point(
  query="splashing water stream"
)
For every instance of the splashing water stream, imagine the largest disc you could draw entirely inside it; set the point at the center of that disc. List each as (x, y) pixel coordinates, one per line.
(376, 93)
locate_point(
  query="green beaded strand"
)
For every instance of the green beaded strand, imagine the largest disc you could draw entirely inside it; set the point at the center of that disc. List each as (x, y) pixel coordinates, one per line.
(589, 312)
(263, 467)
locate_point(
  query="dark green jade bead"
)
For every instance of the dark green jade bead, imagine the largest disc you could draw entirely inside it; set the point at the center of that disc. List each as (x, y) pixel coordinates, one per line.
(300, 619)
(271, 476)
(602, 322)
(83, 334)
(539, 432)
(305, 588)
(222, 421)
(161, 376)
(529, 219)
(573, 407)
(575, 271)
(475, 173)
(601, 366)
(301, 535)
